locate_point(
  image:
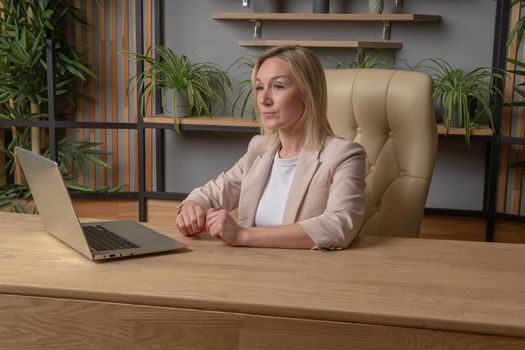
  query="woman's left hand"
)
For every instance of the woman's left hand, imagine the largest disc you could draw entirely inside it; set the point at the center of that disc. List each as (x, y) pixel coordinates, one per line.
(221, 225)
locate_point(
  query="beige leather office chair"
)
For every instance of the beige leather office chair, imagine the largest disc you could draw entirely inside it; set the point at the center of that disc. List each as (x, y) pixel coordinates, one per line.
(389, 112)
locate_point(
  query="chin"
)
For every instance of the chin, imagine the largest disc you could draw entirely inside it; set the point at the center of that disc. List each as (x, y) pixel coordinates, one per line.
(270, 124)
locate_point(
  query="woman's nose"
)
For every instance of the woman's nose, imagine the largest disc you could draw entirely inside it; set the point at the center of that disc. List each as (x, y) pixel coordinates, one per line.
(265, 98)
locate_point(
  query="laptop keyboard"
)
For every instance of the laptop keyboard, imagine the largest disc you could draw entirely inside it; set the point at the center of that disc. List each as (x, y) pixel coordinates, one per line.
(100, 238)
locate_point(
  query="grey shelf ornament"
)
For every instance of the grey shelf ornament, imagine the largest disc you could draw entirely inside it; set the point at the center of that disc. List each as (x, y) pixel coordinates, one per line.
(271, 6)
(375, 6)
(321, 6)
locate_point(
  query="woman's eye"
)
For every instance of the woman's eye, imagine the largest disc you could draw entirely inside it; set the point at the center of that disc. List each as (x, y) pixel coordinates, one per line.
(258, 88)
(278, 86)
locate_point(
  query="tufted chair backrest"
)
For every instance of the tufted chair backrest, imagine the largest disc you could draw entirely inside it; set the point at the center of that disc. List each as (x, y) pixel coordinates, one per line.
(390, 113)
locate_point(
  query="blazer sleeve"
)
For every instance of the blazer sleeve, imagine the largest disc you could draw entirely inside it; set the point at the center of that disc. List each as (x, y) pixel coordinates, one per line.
(345, 210)
(222, 192)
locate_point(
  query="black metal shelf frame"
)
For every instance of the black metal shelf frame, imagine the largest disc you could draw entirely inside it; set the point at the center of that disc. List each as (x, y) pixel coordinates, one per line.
(492, 142)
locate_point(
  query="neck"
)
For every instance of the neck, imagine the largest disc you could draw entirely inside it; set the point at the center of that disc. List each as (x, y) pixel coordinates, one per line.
(291, 145)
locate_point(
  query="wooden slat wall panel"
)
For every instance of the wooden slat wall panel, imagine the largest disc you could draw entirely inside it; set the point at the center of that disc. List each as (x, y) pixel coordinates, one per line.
(148, 38)
(134, 96)
(517, 173)
(125, 97)
(78, 134)
(506, 122)
(102, 80)
(91, 83)
(114, 92)
(3, 179)
(111, 33)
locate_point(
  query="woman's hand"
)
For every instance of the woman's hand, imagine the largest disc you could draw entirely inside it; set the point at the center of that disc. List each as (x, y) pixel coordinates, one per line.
(191, 219)
(221, 225)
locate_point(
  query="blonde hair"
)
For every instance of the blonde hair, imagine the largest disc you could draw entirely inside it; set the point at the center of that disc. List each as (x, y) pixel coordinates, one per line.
(307, 70)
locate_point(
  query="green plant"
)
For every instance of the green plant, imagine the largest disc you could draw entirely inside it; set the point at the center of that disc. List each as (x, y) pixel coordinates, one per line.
(72, 155)
(23, 69)
(25, 25)
(366, 61)
(242, 101)
(519, 28)
(204, 82)
(455, 89)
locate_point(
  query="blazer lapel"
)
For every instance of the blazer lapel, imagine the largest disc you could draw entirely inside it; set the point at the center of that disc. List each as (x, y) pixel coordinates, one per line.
(304, 171)
(254, 184)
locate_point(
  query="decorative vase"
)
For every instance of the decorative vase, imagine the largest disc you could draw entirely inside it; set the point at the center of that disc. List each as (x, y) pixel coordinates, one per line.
(321, 6)
(375, 6)
(271, 6)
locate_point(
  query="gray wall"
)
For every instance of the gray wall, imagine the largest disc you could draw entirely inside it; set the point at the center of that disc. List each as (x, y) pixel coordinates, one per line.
(464, 38)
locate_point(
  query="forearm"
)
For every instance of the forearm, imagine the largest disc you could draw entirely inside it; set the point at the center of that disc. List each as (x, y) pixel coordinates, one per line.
(284, 236)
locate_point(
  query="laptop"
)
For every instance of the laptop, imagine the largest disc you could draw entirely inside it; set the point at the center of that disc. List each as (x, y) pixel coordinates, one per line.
(95, 240)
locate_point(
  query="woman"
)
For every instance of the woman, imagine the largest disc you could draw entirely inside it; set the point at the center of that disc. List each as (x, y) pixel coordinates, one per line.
(297, 186)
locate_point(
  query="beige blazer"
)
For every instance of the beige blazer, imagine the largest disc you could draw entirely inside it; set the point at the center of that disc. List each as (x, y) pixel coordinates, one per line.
(326, 195)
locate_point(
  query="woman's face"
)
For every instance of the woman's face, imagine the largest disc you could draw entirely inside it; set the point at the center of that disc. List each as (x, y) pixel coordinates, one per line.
(278, 95)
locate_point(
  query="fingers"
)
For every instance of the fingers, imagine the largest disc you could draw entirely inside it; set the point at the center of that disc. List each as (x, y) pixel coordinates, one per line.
(191, 220)
(181, 226)
(196, 219)
(215, 220)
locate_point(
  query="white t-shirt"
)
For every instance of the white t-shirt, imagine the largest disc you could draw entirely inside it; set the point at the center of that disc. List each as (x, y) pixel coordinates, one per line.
(271, 206)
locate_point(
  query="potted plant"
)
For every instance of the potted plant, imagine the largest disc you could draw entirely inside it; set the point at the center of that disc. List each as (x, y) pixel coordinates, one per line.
(465, 97)
(201, 82)
(23, 91)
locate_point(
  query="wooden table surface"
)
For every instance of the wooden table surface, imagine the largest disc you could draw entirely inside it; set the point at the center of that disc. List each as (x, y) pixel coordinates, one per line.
(459, 286)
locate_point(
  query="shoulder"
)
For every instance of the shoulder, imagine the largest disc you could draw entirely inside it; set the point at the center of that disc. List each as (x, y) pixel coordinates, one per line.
(338, 147)
(258, 145)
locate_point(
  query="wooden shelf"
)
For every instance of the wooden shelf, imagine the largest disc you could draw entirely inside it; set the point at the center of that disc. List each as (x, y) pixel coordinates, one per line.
(483, 131)
(386, 19)
(214, 121)
(214, 124)
(340, 17)
(324, 43)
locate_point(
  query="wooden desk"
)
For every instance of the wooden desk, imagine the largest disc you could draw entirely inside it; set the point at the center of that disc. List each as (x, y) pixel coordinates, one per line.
(380, 294)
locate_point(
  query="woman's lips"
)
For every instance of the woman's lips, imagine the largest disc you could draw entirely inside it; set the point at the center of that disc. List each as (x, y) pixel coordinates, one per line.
(269, 114)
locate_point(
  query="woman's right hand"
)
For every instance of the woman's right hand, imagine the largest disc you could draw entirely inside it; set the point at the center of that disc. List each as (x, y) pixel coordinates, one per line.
(191, 219)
